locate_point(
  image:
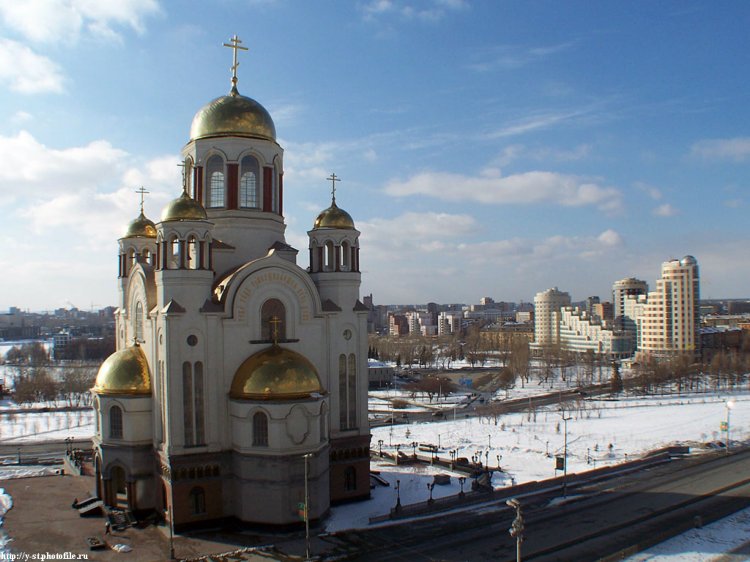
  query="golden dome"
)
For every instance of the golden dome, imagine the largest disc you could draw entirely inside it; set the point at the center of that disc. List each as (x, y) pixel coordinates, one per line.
(124, 372)
(141, 227)
(233, 115)
(275, 374)
(334, 217)
(184, 208)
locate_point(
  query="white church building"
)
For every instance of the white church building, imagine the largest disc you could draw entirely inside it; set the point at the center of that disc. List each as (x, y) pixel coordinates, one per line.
(240, 376)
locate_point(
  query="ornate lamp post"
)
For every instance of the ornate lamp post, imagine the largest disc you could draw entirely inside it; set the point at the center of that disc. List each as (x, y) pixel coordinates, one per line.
(380, 446)
(398, 495)
(430, 486)
(414, 449)
(729, 405)
(462, 480)
(516, 529)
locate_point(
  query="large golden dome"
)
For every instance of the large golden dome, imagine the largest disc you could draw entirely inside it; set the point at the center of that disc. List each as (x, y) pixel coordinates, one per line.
(233, 115)
(334, 217)
(141, 227)
(275, 374)
(124, 372)
(184, 208)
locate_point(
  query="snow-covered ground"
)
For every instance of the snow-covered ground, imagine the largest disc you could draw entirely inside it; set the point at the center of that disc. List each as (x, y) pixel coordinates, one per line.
(523, 444)
(708, 544)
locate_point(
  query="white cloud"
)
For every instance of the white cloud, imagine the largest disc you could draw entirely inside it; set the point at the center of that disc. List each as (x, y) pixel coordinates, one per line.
(27, 72)
(736, 149)
(653, 192)
(21, 117)
(430, 11)
(665, 210)
(28, 167)
(525, 188)
(53, 21)
(506, 57)
(515, 152)
(412, 227)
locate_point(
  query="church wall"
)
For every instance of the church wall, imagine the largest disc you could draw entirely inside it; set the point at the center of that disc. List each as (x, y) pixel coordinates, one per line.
(269, 489)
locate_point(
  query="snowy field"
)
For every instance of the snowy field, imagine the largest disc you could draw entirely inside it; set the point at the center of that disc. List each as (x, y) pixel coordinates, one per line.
(31, 425)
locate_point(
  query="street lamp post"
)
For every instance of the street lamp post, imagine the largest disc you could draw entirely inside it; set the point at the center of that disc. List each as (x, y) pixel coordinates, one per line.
(565, 456)
(430, 486)
(307, 508)
(516, 529)
(380, 446)
(461, 480)
(729, 405)
(398, 495)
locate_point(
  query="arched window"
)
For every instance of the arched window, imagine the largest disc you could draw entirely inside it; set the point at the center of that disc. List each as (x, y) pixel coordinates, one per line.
(197, 501)
(260, 430)
(115, 422)
(138, 321)
(350, 479)
(273, 320)
(215, 181)
(187, 403)
(351, 384)
(200, 438)
(346, 254)
(330, 257)
(275, 190)
(343, 395)
(249, 183)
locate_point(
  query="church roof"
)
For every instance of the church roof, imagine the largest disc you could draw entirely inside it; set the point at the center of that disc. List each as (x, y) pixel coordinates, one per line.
(124, 372)
(233, 115)
(275, 373)
(141, 227)
(184, 208)
(334, 217)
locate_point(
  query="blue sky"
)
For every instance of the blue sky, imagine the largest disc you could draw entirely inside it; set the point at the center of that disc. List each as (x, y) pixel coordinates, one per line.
(486, 148)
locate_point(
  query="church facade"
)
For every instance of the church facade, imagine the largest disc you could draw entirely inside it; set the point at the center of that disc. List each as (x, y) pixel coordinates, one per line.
(239, 384)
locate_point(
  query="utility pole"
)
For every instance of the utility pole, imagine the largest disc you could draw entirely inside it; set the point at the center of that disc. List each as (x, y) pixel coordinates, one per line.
(307, 510)
(565, 455)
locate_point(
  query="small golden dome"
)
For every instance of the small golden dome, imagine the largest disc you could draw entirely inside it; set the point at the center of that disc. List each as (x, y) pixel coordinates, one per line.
(275, 374)
(334, 217)
(184, 208)
(141, 227)
(233, 115)
(124, 372)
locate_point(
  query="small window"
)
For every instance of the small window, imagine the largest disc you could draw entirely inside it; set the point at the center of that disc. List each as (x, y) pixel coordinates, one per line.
(260, 430)
(197, 501)
(115, 422)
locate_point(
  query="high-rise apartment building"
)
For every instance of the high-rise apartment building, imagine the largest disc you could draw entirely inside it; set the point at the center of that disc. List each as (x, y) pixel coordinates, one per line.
(547, 305)
(670, 320)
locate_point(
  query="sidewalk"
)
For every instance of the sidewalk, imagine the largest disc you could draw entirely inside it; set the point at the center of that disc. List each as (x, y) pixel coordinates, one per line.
(43, 521)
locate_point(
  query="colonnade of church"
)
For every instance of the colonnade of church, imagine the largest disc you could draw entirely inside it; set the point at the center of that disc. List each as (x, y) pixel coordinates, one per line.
(334, 257)
(184, 253)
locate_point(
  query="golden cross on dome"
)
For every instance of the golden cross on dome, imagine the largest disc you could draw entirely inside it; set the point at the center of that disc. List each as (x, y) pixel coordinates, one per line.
(275, 323)
(333, 178)
(184, 175)
(142, 193)
(235, 46)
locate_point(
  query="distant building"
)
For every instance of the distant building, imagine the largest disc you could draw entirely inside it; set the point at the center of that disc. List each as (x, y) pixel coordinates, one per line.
(547, 305)
(670, 320)
(379, 374)
(398, 325)
(449, 323)
(579, 333)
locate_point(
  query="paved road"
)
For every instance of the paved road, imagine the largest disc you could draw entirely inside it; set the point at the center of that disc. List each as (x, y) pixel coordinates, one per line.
(608, 516)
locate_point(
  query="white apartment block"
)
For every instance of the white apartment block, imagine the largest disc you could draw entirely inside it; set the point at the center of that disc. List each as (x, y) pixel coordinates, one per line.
(670, 319)
(449, 323)
(546, 320)
(579, 332)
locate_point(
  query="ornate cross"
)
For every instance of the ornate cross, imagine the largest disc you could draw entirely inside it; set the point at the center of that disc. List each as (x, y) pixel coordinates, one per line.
(142, 193)
(275, 323)
(333, 178)
(235, 46)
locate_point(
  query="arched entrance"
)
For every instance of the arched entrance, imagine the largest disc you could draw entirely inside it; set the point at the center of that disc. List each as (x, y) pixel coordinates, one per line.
(118, 487)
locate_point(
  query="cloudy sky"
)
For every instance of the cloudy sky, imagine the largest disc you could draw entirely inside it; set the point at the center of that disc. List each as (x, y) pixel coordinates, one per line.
(486, 148)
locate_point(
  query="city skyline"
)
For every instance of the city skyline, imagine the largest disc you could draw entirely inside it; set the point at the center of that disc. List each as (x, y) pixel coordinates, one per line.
(492, 149)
